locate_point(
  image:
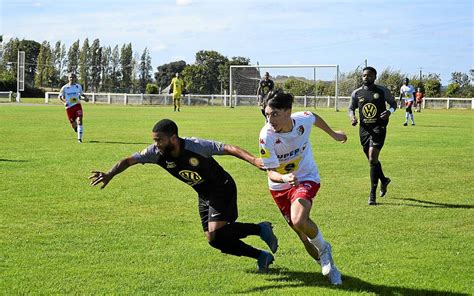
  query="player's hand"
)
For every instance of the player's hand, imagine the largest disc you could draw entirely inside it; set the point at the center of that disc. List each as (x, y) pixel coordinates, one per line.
(258, 162)
(340, 136)
(385, 114)
(291, 179)
(354, 121)
(100, 177)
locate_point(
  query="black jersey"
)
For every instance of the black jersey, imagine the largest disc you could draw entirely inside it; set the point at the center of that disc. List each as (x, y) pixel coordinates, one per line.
(371, 102)
(265, 86)
(194, 166)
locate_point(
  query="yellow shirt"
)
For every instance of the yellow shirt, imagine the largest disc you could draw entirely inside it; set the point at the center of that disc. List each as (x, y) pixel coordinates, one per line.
(177, 84)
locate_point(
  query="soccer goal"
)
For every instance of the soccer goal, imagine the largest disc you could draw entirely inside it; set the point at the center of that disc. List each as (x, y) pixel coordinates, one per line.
(6, 96)
(312, 85)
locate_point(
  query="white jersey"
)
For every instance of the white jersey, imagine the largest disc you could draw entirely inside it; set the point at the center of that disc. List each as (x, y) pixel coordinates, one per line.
(290, 152)
(72, 94)
(408, 93)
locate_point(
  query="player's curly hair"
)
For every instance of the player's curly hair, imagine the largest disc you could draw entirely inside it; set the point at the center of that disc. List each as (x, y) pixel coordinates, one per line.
(370, 69)
(279, 99)
(166, 126)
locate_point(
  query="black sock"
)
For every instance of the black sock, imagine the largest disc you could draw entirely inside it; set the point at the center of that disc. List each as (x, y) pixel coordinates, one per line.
(374, 178)
(225, 240)
(382, 177)
(242, 230)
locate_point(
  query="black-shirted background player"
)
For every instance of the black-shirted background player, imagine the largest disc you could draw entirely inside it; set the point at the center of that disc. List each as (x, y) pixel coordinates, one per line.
(190, 160)
(371, 101)
(264, 87)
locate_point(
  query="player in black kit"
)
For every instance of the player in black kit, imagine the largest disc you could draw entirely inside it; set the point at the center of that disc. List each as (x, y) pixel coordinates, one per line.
(371, 101)
(190, 160)
(264, 87)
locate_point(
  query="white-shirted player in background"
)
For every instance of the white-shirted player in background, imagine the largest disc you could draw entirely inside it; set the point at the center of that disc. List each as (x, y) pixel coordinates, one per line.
(407, 92)
(293, 176)
(70, 95)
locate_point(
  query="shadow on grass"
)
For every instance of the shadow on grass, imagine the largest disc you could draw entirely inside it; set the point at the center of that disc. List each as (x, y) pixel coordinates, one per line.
(117, 142)
(284, 278)
(423, 204)
(12, 160)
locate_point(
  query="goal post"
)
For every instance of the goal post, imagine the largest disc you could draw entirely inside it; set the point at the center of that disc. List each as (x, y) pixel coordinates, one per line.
(315, 83)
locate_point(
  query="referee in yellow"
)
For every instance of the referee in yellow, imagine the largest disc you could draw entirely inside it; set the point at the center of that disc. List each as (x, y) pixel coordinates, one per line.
(177, 84)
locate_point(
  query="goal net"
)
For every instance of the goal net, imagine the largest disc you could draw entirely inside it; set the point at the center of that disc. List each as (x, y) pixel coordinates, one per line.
(312, 85)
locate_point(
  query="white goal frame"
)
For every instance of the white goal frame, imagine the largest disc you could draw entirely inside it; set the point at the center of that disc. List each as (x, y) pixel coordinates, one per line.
(314, 67)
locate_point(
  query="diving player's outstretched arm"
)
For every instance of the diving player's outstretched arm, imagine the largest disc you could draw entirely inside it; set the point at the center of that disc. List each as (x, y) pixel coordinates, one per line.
(104, 178)
(243, 154)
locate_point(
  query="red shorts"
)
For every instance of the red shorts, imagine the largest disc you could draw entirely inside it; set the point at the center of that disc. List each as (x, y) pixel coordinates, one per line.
(408, 104)
(74, 112)
(284, 198)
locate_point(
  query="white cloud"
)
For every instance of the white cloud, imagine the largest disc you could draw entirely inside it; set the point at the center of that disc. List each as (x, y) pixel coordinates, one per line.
(183, 2)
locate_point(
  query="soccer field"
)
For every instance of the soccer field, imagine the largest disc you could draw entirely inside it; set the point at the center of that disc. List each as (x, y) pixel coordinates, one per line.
(142, 234)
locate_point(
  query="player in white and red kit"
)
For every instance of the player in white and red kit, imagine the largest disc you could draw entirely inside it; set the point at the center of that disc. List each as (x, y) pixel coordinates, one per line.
(70, 94)
(407, 92)
(293, 176)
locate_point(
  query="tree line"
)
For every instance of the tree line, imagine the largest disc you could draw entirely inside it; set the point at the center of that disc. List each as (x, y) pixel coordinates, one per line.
(120, 69)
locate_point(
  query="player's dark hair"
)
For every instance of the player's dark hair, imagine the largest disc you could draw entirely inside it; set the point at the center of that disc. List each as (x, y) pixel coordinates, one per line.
(279, 99)
(166, 126)
(370, 69)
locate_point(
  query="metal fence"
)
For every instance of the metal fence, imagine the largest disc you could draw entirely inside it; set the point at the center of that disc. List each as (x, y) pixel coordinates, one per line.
(239, 100)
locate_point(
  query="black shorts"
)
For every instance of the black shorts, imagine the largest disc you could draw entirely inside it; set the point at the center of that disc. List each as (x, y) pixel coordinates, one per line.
(221, 205)
(372, 136)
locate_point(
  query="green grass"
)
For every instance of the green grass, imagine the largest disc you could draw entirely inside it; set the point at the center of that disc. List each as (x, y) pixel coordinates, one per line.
(142, 233)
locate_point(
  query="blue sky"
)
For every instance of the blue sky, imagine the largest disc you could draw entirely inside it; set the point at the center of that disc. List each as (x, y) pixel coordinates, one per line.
(403, 35)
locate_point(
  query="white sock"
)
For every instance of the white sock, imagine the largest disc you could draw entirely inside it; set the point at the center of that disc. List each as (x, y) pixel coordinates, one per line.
(80, 129)
(412, 118)
(407, 115)
(318, 241)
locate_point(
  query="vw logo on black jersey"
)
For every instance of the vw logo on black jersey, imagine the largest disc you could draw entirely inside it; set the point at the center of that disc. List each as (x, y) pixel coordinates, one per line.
(369, 110)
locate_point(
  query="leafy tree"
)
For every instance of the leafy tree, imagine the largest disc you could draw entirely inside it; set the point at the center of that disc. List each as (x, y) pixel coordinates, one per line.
(195, 79)
(10, 56)
(106, 70)
(432, 87)
(42, 64)
(126, 66)
(95, 53)
(58, 61)
(84, 65)
(453, 89)
(393, 80)
(145, 69)
(115, 74)
(462, 79)
(73, 58)
(151, 88)
(166, 72)
(135, 72)
(210, 61)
